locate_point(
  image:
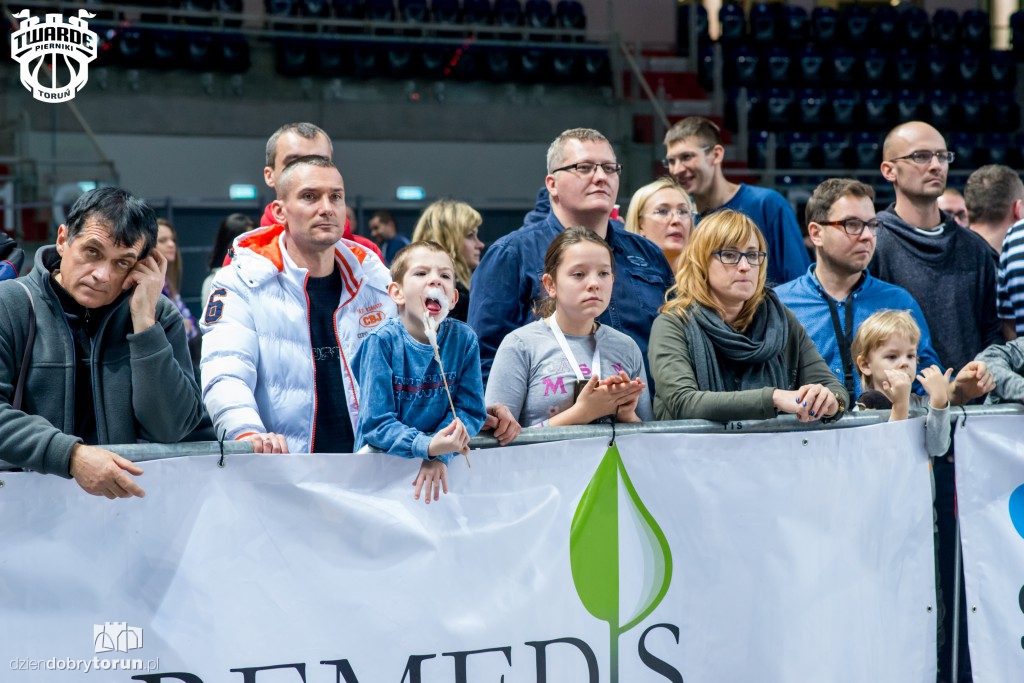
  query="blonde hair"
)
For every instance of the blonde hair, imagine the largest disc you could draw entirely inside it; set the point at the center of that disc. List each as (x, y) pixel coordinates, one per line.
(175, 267)
(879, 328)
(644, 194)
(448, 222)
(723, 229)
(402, 261)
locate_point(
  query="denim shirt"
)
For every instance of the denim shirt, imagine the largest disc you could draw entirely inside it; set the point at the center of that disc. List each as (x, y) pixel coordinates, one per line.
(402, 399)
(806, 298)
(508, 281)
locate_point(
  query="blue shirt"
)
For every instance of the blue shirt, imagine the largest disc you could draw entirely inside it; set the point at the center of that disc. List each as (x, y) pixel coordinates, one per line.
(508, 281)
(391, 248)
(809, 302)
(402, 400)
(787, 255)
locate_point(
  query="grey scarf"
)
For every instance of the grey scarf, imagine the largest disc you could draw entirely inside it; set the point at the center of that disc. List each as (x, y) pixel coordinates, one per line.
(758, 353)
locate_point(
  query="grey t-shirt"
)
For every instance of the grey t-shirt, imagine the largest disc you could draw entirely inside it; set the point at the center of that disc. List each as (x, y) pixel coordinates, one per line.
(532, 376)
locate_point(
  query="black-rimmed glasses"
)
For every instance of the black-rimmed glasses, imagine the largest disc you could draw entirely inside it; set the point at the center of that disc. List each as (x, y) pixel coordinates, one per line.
(731, 257)
(924, 156)
(587, 168)
(855, 226)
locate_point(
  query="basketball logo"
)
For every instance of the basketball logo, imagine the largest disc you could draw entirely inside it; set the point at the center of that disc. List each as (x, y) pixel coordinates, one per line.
(54, 55)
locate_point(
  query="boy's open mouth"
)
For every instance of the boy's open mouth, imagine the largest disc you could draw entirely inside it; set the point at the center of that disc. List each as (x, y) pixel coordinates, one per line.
(432, 305)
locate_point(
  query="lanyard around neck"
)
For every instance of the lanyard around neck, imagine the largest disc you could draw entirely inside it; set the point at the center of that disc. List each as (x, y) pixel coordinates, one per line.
(595, 368)
(844, 338)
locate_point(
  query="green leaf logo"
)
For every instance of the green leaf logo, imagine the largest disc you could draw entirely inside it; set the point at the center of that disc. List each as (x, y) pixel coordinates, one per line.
(594, 551)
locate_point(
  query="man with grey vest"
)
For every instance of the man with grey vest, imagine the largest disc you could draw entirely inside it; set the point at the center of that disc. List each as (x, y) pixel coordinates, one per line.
(91, 353)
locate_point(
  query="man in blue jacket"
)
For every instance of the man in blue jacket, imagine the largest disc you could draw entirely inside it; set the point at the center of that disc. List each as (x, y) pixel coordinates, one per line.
(583, 182)
(694, 156)
(837, 293)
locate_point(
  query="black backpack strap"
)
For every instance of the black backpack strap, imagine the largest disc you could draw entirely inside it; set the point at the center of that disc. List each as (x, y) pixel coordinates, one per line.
(19, 388)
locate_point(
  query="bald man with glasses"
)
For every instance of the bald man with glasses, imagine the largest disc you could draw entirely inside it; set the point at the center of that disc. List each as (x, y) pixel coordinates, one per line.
(948, 270)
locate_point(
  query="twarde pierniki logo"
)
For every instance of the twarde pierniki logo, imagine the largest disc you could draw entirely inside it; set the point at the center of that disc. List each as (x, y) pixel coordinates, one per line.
(54, 55)
(610, 519)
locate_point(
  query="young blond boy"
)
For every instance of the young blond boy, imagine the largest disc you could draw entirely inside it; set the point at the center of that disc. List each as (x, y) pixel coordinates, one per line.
(885, 352)
(403, 404)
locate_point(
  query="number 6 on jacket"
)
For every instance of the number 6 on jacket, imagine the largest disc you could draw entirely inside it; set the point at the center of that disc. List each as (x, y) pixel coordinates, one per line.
(215, 309)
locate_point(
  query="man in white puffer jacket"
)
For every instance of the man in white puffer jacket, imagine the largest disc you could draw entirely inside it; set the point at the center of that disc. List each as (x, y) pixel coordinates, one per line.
(286, 317)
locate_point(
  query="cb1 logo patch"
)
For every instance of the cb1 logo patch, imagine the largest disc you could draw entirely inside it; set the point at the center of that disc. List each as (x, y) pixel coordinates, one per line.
(54, 54)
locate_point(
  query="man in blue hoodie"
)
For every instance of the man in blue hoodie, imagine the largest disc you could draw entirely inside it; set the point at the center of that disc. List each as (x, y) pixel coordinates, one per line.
(583, 182)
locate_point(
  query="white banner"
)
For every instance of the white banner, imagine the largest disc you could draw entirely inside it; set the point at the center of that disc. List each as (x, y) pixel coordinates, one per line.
(990, 500)
(741, 557)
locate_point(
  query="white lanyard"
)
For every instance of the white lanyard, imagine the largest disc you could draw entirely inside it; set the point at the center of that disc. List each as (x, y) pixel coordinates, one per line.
(595, 368)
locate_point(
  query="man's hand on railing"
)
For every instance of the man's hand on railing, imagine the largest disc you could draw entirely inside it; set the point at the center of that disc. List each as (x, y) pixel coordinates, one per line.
(267, 443)
(103, 473)
(973, 381)
(504, 424)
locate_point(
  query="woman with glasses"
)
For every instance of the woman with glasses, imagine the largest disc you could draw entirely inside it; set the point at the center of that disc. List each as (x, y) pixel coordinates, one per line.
(660, 211)
(724, 347)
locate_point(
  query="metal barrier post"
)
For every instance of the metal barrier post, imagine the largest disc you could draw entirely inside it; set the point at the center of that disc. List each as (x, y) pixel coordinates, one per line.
(957, 561)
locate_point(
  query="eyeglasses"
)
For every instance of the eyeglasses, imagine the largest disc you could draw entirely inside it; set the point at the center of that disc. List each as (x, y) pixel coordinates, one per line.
(666, 214)
(855, 226)
(923, 157)
(587, 168)
(731, 257)
(684, 158)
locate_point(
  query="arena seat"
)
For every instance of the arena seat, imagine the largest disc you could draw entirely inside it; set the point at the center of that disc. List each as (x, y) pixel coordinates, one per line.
(780, 104)
(794, 24)
(569, 14)
(940, 108)
(348, 9)
(765, 22)
(745, 66)
(970, 67)
(914, 26)
(733, 22)
(415, 11)
(380, 10)
(964, 145)
(844, 66)
(1002, 70)
(975, 29)
(780, 65)
(445, 11)
(294, 58)
(940, 67)
(539, 14)
(812, 108)
(884, 27)
(314, 8)
(867, 149)
(878, 108)
(907, 68)
(875, 65)
(855, 19)
(824, 25)
(811, 65)
(909, 104)
(835, 150)
(972, 110)
(844, 106)
(946, 28)
(164, 48)
(476, 11)
(508, 13)
(797, 150)
(232, 53)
